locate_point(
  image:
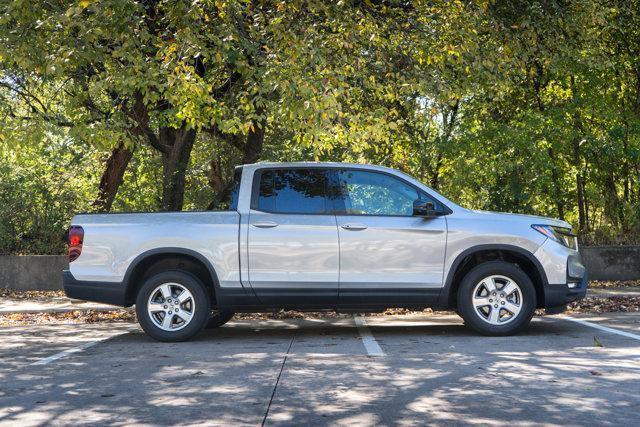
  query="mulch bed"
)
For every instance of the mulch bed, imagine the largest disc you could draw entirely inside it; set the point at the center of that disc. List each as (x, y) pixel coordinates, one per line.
(30, 295)
(601, 284)
(605, 305)
(76, 316)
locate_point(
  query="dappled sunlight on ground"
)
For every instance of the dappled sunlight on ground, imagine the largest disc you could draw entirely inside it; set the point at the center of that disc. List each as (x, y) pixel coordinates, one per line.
(434, 371)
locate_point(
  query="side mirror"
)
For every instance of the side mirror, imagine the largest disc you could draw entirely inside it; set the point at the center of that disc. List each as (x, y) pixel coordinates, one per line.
(425, 209)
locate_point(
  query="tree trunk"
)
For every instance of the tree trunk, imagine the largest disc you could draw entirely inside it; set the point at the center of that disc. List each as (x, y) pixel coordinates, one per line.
(556, 183)
(112, 177)
(435, 174)
(179, 143)
(449, 121)
(613, 204)
(251, 152)
(253, 146)
(625, 165)
(216, 175)
(577, 159)
(221, 186)
(637, 180)
(577, 162)
(582, 214)
(586, 202)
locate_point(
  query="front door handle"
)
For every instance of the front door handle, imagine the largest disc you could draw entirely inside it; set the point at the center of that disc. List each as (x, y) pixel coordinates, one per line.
(265, 224)
(354, 226)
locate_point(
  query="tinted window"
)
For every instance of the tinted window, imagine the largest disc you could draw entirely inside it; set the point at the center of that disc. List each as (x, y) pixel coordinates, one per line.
(299, 191)
(235, 189)
(371, 193)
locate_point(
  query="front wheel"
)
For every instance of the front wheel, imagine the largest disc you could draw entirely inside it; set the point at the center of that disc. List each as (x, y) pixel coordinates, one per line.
(172, 306)
(497, 298)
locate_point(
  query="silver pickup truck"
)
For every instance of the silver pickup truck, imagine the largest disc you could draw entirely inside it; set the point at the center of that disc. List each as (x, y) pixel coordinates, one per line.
(324, 236)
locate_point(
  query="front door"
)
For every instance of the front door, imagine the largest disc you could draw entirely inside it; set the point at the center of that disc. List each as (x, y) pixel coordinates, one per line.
(293, 239)
(387, 255)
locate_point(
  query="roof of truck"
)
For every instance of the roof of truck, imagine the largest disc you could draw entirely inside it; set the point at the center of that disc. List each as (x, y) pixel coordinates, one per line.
(313, 164)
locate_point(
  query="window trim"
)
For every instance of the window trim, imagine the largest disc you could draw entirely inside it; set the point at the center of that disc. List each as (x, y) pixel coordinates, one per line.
(331, 176)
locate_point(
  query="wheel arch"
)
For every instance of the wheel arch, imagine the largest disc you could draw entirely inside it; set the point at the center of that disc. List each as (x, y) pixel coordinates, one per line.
(476, 255)
(162, 259)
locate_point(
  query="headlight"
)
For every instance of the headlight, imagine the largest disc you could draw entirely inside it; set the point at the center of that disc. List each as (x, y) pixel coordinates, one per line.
(564, 236)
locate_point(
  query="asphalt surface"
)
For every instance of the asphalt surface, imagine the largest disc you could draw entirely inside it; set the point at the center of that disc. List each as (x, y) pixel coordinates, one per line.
(430, 370)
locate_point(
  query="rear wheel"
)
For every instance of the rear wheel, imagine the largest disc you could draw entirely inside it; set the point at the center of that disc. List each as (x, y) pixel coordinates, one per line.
(218, 318)
(497, 298)
(172, 306)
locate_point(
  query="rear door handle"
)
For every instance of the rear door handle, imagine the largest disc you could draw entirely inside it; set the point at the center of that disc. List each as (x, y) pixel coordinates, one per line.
(265, 224)
(354, 226)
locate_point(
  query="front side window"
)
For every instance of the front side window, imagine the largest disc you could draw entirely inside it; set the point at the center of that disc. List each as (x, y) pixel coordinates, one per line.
(294, 191)
(372, 193)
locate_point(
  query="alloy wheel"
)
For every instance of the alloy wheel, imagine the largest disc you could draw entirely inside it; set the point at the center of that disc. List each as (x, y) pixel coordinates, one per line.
(497, 300)
(171, 306)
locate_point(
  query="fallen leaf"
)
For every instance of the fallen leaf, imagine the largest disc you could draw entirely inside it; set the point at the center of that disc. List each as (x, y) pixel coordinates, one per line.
(597, 342)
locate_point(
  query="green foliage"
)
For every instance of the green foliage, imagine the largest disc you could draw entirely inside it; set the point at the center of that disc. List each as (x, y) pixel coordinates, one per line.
(40, 185)
(530, 107)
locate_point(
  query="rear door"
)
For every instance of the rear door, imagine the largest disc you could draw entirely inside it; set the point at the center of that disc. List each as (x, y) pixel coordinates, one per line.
(387, 255)
(293, 238)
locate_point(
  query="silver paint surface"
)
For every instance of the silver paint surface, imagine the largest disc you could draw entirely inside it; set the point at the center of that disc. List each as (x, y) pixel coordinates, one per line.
(300, 251)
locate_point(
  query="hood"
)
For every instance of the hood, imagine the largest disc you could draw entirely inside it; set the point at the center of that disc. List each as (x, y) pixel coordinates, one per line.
(531, 219)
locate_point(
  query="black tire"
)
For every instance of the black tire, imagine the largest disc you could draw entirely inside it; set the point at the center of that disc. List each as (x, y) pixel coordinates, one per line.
(475, 319)
(218, 318)
(200, 300)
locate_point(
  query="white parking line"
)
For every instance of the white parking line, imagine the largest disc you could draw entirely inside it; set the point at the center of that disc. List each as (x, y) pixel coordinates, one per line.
(602, 328)
(370, 343)
(77, 349)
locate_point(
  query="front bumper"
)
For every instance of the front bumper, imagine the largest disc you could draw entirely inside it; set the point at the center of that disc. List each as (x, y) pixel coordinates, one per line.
(566, 275)
(556, 297)
(113, 293)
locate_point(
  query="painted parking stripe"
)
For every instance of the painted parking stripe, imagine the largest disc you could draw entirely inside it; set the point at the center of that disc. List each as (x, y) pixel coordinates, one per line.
(602, 328)
(370, 343)
(77, 349)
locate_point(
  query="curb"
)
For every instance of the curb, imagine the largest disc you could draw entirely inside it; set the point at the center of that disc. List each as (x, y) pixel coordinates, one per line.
(613, 292)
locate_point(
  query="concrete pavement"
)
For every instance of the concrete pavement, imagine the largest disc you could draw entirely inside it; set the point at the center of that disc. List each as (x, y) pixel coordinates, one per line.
(317, 371)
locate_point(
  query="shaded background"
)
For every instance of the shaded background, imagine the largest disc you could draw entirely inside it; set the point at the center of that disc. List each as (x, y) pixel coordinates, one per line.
(529, 107)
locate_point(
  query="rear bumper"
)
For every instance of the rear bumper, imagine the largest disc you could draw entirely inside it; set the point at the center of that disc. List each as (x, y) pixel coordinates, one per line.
(113, 293)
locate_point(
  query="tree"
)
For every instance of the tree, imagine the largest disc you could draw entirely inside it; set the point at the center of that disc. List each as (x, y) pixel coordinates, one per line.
(159, 72)
(521, 106)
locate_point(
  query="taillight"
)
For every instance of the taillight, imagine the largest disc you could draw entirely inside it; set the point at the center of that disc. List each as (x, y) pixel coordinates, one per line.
(76, 236)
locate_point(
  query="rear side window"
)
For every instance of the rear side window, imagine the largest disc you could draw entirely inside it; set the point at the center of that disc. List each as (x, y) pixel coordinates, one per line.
(293, 191)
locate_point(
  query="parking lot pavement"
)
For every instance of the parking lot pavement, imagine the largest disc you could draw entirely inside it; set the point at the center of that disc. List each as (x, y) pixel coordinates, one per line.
(318, 371)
